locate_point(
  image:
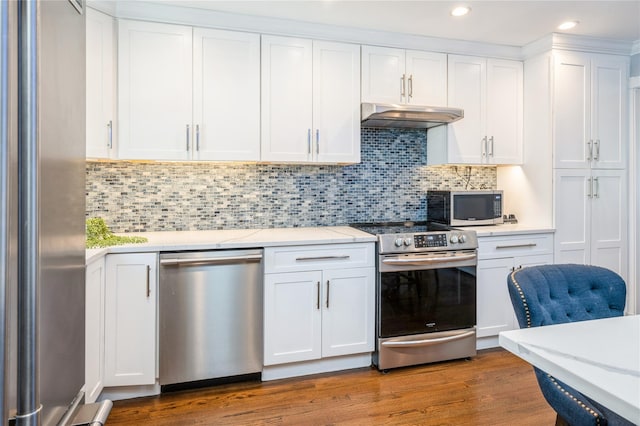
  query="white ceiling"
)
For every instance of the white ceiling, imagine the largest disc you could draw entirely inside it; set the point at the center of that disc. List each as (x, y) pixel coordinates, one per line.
(514, 23)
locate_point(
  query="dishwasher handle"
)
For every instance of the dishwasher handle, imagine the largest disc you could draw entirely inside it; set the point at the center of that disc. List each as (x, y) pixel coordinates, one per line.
(211, 260)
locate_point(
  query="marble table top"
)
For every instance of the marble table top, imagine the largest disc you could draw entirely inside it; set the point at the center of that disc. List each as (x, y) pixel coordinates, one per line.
(600, 358)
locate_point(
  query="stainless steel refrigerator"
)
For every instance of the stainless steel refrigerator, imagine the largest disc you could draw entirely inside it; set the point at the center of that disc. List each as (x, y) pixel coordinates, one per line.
(42, 208)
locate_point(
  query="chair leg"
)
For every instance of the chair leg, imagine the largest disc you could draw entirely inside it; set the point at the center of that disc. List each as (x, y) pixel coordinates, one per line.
(560, 421)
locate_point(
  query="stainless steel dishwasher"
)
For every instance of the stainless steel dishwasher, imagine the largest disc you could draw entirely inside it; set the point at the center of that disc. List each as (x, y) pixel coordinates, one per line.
(210, 315)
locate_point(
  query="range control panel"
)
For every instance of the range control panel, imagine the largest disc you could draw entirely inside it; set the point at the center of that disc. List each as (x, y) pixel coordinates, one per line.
(430, 240)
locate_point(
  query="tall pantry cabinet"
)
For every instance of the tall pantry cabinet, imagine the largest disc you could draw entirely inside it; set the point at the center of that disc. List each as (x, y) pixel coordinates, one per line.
(589, 131)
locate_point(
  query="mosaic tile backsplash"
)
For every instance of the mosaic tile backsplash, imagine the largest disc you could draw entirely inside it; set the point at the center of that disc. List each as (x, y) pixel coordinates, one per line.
(389, 184)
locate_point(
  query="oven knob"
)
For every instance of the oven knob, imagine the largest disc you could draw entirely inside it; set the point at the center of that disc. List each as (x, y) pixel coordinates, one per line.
(462, 238)
(454, 239)
(408, 242)
(399, 242)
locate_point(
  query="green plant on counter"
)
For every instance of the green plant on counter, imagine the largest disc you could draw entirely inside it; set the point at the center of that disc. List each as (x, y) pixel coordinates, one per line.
(99, 235)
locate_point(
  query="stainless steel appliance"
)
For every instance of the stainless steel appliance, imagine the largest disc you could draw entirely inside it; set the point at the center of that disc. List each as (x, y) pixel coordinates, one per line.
(42, 190)
(426, 293)
(465, 208)
(210, 316)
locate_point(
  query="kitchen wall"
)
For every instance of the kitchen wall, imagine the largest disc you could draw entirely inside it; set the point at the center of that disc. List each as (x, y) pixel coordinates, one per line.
(389, 184)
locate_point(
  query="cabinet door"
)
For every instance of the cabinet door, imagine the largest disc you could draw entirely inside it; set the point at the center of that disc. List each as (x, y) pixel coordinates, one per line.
(292, 317)
(383, 75)
(336, 102)
(467, 90)
(426, 78)
(609, 209)
(609, 76)
(286, 99)
(94, 330)
(348, 311)
(154, 91)
(504, 111)
(100, 83)
(494, 308)
(130, 319)
(226, 95)
(572, 216)
(571, 100)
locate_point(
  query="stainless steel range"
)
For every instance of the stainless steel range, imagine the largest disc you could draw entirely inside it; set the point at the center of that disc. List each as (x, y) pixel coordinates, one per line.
(426, 293)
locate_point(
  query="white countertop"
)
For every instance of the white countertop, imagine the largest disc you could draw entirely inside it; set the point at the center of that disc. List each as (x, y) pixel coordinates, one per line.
(508, 229)
(600, 358)
(235, 238)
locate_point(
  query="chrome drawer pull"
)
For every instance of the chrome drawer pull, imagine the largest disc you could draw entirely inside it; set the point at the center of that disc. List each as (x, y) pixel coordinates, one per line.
(310, 259)
(516, 246)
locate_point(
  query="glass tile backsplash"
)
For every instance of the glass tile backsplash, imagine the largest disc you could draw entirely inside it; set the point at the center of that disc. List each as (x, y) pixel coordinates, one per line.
(389, 184)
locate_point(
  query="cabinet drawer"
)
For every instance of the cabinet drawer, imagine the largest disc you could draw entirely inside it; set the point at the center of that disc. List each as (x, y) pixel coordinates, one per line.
(308, 258)
(514, 245)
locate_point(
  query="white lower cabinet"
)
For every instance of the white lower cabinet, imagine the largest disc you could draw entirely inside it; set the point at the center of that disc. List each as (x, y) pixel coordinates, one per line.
(322, 306)
(497, 258)
(94, 329)
(130, 319)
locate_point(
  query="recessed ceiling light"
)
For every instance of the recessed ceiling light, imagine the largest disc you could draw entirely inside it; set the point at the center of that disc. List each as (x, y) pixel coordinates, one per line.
(460, 11)
(567, 25)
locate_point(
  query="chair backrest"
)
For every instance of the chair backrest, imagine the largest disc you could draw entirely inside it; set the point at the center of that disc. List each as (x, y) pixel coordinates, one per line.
(552, 294)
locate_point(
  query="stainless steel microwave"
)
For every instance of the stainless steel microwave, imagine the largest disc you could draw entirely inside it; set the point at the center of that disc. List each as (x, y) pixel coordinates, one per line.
(465, 208)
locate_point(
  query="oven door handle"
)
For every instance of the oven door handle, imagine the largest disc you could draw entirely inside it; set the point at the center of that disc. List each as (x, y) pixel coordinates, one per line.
(428, 260)
(426, 342)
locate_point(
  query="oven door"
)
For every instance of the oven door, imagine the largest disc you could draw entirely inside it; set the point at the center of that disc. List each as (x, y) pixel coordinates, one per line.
(426, 292)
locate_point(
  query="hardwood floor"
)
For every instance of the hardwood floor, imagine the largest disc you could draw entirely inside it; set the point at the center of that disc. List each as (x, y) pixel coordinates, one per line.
(493, 388)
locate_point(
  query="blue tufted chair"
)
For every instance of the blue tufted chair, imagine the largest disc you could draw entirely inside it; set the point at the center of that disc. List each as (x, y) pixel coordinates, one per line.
(553, 294)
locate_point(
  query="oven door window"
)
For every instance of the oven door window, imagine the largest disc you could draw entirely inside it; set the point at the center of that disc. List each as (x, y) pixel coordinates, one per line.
(424, 301)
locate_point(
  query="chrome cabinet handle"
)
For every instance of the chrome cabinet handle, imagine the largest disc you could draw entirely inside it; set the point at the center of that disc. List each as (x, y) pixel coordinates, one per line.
(309, 141)
(402, 93)
(328, 284)
(317, 141)
(589, 150)
(491, 146)
(148, 281)
(411, 85)
(590, 188)
(110, 132)
(187, 137)
(596, 185)
(197, 137)
(318, 296)
(597, 156)
(307, 259)
(516, 246)
(484, 146)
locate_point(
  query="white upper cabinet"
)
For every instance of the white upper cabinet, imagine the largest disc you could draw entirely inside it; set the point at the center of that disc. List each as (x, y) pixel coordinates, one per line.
(490, 91)
(226, 95)
(589, 110)
(287, 87)
(100, 84)
(336, 102)
(310, 101)
(403, 76)
(154, 87)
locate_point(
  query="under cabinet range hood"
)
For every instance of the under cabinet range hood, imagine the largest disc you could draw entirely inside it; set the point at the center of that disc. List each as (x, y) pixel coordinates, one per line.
(407, 116)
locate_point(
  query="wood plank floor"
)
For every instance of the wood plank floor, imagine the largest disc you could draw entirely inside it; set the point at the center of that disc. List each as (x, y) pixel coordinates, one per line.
(493, 388)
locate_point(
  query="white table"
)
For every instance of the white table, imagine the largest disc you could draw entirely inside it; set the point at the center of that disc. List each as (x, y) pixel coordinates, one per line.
(599, 358)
